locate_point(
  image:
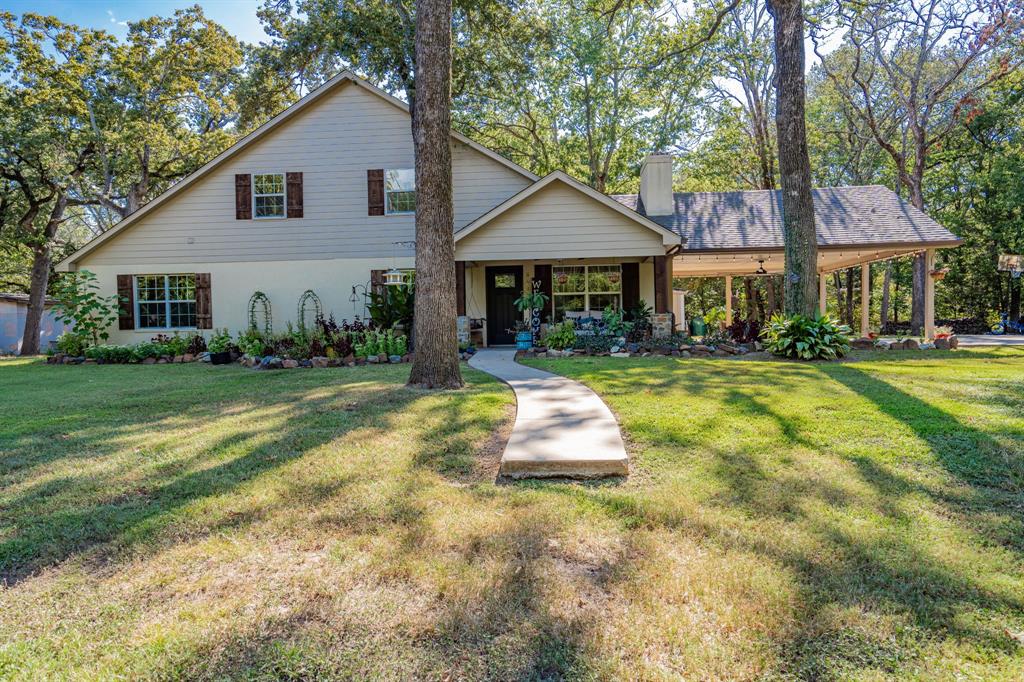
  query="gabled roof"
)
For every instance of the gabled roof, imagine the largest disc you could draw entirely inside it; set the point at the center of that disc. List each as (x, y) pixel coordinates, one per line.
(343, 77)
(869, 215)
(669, 238)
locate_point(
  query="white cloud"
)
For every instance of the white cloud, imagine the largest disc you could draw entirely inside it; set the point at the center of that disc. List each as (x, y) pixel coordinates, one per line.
(113, 19)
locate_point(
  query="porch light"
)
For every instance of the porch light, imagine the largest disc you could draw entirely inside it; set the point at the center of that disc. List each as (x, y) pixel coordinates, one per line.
(760, 268)
(394, 278)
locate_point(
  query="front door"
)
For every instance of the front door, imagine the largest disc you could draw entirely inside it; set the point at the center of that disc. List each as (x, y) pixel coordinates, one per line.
(504, 286)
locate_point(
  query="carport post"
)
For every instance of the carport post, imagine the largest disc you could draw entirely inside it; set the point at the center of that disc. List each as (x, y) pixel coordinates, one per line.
(929, 294)
(865, 298)
(822, 293)
(728, 300)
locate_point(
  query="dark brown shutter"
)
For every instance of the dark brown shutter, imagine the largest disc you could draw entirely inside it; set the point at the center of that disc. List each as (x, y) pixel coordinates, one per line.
(294, 192)
(204, 307)
(377, 281)
(662, 284)
(375, 192)
(243, 196)
(542, 273)
(630, 286)
(126, 302)
(460, 287)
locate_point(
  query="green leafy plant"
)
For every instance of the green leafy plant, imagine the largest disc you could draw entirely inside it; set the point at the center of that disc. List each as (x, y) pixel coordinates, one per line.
(561, 336)
(252, 343)
(80, 304)
(393, 305)
(175, 344)
(806, 338)
(715, 317)
(71, 344)
(531, 301)
(221, 341)
(615, 322)
(109, 353)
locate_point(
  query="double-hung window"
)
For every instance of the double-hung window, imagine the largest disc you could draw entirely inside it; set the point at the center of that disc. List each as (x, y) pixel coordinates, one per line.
(268, 195)
(586, 288)
(165, 301)
(400, 191)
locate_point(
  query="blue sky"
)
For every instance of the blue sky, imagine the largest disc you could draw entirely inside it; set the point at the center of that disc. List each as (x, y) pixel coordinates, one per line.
(237, 16)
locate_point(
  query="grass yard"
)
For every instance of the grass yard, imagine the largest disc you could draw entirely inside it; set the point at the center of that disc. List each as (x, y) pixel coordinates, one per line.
(843, 521)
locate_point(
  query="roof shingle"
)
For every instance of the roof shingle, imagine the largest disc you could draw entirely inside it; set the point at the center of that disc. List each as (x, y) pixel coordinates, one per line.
(844, 216)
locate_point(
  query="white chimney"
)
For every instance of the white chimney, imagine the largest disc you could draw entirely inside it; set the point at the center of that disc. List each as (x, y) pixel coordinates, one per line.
(656, 185)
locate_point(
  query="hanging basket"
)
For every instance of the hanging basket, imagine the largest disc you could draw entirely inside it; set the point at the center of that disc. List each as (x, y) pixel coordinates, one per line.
(939, 274)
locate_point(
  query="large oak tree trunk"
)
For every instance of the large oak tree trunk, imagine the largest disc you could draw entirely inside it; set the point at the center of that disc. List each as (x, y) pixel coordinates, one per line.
(435, 363)
(40, 278)
(38, 283)
(801, 244)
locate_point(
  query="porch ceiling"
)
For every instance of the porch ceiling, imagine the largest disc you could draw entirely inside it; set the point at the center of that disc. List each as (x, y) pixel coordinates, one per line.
(740, 263)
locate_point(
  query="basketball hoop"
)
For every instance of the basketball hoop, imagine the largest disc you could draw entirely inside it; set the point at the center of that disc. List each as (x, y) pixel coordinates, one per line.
(1012, 263)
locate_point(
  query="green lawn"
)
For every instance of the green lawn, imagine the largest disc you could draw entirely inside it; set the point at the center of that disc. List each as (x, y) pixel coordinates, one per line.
(847, 521)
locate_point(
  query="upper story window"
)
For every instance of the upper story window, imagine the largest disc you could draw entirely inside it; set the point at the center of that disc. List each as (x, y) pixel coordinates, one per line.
(400, 191)
(268, 195)
(165, 301)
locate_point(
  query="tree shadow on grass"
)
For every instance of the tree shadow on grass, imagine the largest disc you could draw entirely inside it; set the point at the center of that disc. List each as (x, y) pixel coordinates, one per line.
(43, 531)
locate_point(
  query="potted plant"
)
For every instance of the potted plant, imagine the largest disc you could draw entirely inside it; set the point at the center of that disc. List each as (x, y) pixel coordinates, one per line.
(220, 347)
(943, 332)
(531, 304)
(524, 335)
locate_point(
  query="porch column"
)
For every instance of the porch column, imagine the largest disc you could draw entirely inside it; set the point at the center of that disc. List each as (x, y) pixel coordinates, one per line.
(822, 293)
(865, 298)
(460, 287)
(929, 294)
(728, 300)
(662, 284)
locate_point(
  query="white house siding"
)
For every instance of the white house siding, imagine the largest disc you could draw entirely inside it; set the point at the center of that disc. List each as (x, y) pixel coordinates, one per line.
(559, 222)
(231, 285)
(333, 142)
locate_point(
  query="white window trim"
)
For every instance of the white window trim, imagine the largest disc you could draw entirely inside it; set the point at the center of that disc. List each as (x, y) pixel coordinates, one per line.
(586, 293)
(284, 194)
(387, 203)
(167, 301)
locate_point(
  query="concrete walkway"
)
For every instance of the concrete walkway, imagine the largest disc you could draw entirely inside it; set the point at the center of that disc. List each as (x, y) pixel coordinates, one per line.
(562, 428)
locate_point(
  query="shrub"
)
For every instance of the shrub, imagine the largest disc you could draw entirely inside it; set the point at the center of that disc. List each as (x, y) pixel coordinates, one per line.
(109, 353)
(744, 331)
(597, 343)
(172, 345)
(381, 343)
(80, 305)
(252, 343)
(196, 344)
(562, 336)
(149, 349)
(72, 344)
(806, 338)
(640, 318)
(221, 341)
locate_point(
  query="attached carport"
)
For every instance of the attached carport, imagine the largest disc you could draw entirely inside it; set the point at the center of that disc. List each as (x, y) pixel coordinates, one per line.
(739, 234)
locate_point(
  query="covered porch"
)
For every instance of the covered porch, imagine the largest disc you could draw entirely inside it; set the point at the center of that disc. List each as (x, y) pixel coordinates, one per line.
(576, 288)
(578, 247)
